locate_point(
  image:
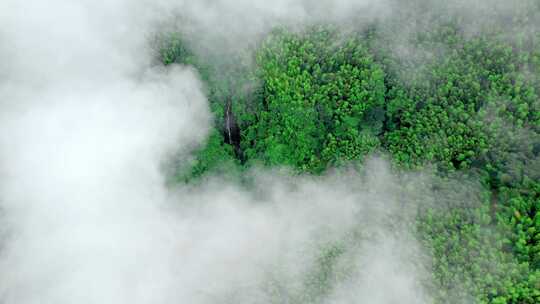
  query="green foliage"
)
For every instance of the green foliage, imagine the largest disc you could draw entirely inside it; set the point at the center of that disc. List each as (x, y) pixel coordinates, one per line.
(442, 116)
(223, 91)
(215, 156)
(475, 107)
(172, 49)
(320, 99)
(472, 259)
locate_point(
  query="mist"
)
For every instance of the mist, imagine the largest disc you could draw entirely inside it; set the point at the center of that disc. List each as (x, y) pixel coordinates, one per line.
(87, 121)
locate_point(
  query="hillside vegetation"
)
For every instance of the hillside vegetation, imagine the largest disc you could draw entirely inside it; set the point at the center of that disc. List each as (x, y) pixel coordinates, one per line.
(466, 104)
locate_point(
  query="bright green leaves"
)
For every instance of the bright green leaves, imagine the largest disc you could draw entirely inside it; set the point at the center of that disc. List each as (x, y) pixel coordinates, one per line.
(320, 101)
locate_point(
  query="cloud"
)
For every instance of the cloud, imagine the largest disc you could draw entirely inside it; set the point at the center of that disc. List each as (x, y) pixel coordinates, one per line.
(86, 121)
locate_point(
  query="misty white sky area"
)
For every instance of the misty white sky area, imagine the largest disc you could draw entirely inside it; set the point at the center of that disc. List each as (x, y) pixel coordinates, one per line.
(86, 121)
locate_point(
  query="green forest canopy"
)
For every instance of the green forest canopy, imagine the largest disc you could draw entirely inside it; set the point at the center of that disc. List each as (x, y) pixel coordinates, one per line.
(321, 99)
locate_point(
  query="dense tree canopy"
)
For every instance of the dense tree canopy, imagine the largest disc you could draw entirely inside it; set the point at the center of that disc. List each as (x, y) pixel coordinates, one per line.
(322, 98)
(321, 103)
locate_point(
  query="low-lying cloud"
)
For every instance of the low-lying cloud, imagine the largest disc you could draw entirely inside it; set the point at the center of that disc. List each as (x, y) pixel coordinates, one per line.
(86, 122)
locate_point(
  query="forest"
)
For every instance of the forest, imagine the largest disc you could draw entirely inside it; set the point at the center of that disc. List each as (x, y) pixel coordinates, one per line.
(458, 103)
